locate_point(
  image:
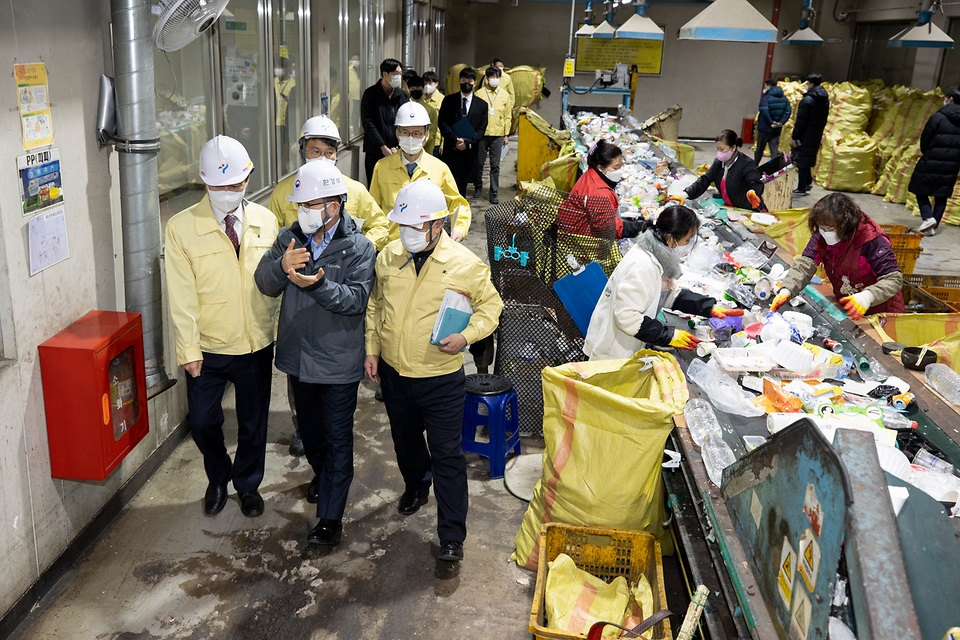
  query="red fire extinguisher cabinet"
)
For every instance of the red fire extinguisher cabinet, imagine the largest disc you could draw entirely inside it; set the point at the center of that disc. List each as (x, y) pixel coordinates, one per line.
(94, 393)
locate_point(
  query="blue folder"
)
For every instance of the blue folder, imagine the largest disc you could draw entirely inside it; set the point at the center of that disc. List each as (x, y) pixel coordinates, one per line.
(453, 321)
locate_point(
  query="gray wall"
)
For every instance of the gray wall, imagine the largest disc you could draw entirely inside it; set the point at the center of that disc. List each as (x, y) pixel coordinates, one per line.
(41, 515)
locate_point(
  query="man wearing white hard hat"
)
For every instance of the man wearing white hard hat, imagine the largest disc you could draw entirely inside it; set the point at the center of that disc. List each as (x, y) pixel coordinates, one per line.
(423, 382)
(412, 164)
(323, 267)
(320, 141)
(224, 326)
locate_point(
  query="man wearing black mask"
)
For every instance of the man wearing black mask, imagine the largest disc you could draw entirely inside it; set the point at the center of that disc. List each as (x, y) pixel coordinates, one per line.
(462, 122)
(416, 83)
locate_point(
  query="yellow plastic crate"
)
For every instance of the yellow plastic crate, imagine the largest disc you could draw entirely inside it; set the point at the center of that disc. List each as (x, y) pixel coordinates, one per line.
(947, 295)
(907, 258)
(606, 554)
(922, 280)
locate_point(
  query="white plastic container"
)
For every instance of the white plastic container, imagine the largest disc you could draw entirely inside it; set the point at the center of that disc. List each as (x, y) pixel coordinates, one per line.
(747, 359)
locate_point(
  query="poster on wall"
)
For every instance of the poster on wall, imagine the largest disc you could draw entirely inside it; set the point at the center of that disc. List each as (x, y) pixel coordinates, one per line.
(34, 108)
(605, 53)
(240, 81)
(40, 181)
(48, 240)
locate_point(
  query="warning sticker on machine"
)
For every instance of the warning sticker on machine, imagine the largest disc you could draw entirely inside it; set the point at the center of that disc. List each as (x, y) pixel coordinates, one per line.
(756, 509)
(800, 616)
(785, 573)
(809, 559)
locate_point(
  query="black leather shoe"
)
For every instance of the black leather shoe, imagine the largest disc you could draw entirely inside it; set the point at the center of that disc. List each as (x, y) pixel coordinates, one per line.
(799, 192)
(378, 394)
(313, 490)
(251, 504)
(327, 532)
(296, 445)
(214, 499)
(451, 551)
(477, 192)
(494, 199)
(411, 501)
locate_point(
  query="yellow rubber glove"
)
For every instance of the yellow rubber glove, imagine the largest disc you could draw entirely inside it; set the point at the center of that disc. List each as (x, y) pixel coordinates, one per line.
(753, 199)
(781, 299)
(684, 340)
(857, 304)
(723, 312)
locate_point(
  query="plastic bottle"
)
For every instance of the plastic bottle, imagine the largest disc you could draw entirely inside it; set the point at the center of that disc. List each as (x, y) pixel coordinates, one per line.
(944, 381)
(717, 456)
(898, 421)
(701, 420)
(926, 459)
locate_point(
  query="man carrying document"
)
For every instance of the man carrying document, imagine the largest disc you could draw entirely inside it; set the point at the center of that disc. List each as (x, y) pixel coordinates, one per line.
(419, 364)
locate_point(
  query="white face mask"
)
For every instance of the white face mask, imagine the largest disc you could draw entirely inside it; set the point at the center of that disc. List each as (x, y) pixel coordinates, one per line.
(225, 201)
(396, 81)
(325, 159)
(413, 240)
(493, 82)
(355, 64)
(830, 237)
(312, 220)
(410, 145)
(682, 251)
(278, 72)
(429, 89)
(614, 176)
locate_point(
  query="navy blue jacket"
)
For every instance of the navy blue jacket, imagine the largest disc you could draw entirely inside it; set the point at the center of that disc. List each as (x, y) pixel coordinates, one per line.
(774, 107)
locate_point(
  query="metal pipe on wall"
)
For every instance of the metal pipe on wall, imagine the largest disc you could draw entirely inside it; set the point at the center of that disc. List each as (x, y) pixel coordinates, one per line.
(408, 33)
(768, 66)
(139, 196)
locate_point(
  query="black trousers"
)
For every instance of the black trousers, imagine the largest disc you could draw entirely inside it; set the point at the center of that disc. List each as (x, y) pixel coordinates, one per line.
(935, 212)
(370, 160)
(765, 138)
(490, 146)
(804, 178)
(251, 375)
(325, 414)
(435, 406)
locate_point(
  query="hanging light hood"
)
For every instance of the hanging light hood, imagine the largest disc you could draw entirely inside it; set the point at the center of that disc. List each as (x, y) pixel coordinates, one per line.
(924, 34)
(586, 31)
(639, 26)
(805, 35)
(729, 21)
(606, 29)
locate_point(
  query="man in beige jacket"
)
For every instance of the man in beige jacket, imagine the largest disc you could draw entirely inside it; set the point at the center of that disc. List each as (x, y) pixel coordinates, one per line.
(224, 326)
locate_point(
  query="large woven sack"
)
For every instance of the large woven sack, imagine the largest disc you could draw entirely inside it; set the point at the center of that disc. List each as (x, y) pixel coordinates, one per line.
(605, 424)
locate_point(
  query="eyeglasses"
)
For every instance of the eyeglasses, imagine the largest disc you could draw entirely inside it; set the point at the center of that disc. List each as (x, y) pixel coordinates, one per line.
(411, 133)
(313, 152)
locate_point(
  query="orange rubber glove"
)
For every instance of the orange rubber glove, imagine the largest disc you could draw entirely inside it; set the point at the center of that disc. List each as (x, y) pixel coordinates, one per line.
(857, 304)
(723, 312)
(684, 340)
(781, 299)
(675, 198)
(753, 199)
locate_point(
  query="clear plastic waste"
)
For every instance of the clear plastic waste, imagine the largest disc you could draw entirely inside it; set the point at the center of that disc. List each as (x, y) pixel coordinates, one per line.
(898, 421)
(929, 461)
(701, 419)
(725, 392)
(717, 456)
(875, 372)
(944, 381)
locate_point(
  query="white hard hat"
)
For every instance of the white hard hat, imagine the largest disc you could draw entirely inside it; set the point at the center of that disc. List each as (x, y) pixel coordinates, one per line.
(319, 127)
(418, 202)
(412, 114)
(224, 161)
(317, 180)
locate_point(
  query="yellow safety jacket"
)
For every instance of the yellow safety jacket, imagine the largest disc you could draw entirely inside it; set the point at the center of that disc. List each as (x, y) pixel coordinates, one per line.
(500, 103)
(390, 174)
(215, 304)
(434, 100)
(433, 135)
(360, 206)
(403, 306)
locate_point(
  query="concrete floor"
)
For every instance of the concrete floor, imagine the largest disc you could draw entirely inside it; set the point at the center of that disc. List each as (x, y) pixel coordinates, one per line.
(163, 570)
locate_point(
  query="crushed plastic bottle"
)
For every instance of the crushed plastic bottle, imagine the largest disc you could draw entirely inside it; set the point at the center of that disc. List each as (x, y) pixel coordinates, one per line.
(944, 381)
(717, 456)
(897, 421)
(872, 370)
(701, 420)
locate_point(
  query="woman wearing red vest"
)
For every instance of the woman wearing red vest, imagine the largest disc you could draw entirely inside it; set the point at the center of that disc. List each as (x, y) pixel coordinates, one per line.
(856, 256)
(591, 208)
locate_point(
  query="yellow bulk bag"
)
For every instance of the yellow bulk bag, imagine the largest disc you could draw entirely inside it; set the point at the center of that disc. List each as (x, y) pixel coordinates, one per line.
(850, 110)
(940, 332)
(792, 232)
(847, 164)
(605, 424)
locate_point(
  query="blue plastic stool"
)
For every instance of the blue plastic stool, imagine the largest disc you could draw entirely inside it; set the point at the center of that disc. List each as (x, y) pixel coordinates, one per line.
(497, 395)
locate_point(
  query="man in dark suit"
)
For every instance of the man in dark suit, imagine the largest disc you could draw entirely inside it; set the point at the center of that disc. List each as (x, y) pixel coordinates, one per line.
(462, 154)
(378, 113)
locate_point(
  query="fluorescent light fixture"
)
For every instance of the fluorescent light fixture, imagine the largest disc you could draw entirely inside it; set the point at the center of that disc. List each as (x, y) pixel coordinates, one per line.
(604, 30)
(729, 21)
(922, 36)
(586, 31)
(639, 26)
